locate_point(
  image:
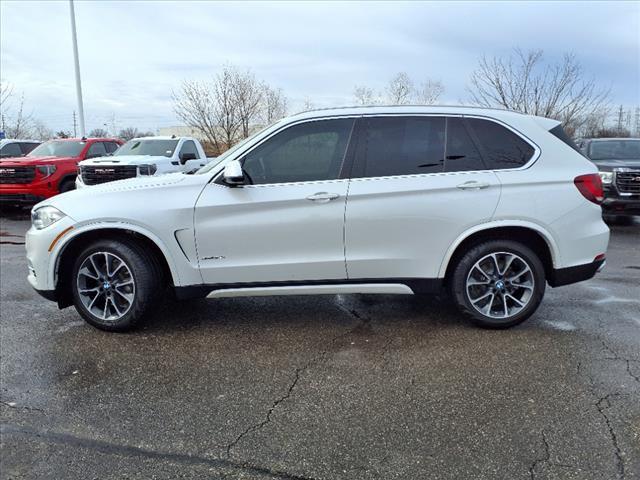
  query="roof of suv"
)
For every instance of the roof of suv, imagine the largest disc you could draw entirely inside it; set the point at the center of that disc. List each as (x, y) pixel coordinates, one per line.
(500, 114)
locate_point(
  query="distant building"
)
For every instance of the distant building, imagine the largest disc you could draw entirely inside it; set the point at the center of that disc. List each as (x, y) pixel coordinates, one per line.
(181, 131)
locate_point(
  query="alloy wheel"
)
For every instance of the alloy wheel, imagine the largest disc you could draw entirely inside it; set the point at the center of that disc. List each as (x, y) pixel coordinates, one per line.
(500, 285)
(106, 286)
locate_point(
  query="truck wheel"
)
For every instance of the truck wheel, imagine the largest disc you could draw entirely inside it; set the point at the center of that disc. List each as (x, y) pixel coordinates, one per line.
(498, 283)
(67, 185)
(116, 284)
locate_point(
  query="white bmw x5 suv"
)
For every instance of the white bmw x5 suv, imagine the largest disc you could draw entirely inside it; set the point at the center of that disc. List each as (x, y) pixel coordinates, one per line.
(488, 205)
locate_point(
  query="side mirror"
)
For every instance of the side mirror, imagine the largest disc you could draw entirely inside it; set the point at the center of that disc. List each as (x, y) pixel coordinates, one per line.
(233, 174)
(184, 157)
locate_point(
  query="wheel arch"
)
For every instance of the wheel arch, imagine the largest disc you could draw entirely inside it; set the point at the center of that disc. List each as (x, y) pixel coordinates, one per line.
(530, 234)
(64, 253)
(67, 177)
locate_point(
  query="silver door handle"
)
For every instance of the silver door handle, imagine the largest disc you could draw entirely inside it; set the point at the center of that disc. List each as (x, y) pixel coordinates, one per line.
(322, 197)
(473, 185)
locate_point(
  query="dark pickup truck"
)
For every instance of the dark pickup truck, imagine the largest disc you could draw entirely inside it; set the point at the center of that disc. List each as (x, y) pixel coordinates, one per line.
(618, 160)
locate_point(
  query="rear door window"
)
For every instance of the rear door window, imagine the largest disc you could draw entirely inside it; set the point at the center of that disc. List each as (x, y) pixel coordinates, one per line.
(96, 150)
(401, 146)
(501, 147)
(26, 147)
(111, 146)
(461, 154)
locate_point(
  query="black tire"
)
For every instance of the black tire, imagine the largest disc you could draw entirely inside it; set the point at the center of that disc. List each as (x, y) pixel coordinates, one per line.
(67, 186)
(145, 272)
(503, 248)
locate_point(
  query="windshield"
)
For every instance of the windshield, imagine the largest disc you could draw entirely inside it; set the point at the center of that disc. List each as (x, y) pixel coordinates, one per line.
(228, 153)
(153, 147)
(58, 148)
(615, 150)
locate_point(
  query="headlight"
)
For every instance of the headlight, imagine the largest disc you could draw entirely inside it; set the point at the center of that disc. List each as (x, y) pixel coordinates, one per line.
(46, 170)
(45, 216)
(149, 169)
(606, 177)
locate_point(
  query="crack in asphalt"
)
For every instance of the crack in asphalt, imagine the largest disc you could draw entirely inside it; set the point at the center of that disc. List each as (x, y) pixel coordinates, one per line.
(539, 461)
(612, 433)
(21, 407)
(298, 372)
(109, 448)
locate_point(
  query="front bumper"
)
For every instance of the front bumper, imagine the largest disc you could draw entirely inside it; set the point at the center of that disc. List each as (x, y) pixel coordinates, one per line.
(19, 199)
(26, 193)
(42, 247)
(578, 273)
(621, 205)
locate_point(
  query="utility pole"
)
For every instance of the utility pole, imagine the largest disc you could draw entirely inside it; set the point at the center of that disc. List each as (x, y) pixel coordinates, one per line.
(77, 65)
(75, 132)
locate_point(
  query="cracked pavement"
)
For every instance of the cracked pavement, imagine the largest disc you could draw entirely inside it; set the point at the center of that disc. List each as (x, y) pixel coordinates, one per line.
(325, 387)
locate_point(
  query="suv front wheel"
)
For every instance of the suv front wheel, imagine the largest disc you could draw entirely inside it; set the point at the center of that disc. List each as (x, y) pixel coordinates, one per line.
(498, 283)
(116, 283)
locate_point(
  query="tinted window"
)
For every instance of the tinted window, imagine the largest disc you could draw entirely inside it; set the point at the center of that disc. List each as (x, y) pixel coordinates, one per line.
(403, 146)
(11, 150)
(306, 152)
(462, 154)
(559, 133)
(189, 147)
(111, 146)
(27, 147)
(502, 148)
(96, 150)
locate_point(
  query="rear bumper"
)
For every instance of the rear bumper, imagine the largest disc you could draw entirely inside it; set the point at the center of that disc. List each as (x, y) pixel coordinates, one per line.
(579, 273)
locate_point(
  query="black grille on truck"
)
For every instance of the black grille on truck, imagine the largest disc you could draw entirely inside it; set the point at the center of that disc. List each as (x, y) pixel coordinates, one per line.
(17, 174)
(94, 175)
(628, 182)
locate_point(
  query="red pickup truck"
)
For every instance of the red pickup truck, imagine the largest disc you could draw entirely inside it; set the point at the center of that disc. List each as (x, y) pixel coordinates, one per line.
(49, 169)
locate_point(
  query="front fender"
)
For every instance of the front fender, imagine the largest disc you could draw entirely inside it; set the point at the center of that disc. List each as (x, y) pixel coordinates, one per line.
(178, 277)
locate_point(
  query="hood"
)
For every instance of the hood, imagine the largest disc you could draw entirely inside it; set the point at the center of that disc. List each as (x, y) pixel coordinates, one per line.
(113, 201)
(23, 161)
(125, 160)
(608, 165)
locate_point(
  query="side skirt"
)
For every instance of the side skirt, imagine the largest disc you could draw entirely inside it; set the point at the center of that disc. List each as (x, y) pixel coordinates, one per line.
(402, 286)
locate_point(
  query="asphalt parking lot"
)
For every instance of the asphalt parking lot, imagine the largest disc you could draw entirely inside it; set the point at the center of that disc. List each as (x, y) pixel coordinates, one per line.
(327, 387)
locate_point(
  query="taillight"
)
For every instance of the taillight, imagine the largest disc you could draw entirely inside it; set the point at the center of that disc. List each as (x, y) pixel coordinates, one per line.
(590, 186)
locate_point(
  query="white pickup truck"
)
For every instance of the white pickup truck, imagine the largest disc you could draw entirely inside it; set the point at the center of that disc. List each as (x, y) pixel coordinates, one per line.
(143, 156)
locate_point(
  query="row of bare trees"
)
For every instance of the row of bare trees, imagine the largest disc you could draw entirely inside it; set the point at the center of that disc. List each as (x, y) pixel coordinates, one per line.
(400, 90)
(226, 108)
(15, 121)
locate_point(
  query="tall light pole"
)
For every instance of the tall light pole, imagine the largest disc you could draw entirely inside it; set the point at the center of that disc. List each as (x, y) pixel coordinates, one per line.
(77, 65)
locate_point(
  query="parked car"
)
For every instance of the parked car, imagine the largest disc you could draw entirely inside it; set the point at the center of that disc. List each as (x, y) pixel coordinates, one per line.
(49, 169)
(489, 205)
(618, 160)
(143, 157)
(10, 147)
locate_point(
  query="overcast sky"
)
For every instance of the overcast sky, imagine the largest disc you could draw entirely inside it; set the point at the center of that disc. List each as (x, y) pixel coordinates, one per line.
(133, 54)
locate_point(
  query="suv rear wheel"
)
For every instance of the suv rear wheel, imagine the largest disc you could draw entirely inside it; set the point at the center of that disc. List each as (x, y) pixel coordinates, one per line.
(115, 284)
(498, 283)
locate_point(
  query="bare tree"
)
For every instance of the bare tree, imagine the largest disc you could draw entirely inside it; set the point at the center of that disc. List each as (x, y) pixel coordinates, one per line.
(6, 90)
(523, 82)
(18, 124)
(247, 94)
(98, 133)
(195, 105)
(128, 133)
(307, 105)
(63, 134)
(429, 92)
(400, 89)
(40, 131)
(364, 95)
(274, 104)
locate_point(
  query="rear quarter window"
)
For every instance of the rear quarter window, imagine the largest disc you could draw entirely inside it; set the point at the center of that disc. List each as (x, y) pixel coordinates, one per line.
(501, 147)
